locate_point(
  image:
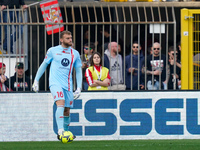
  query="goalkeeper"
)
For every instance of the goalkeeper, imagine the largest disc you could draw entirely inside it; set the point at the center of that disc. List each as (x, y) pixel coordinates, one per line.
(62, 58)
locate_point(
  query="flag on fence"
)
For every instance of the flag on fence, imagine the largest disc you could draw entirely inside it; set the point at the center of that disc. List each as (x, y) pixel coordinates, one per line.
(51, 14)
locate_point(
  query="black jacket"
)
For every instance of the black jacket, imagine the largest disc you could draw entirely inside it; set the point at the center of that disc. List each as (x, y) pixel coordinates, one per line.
(21, 85)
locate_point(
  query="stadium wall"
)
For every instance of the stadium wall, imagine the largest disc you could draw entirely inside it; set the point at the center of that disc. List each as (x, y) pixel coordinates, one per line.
(103, 116)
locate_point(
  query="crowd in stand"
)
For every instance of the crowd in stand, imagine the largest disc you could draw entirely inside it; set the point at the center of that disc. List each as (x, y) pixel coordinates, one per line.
(113, 70)
(108, 72)
(154, 72)
(18, 82)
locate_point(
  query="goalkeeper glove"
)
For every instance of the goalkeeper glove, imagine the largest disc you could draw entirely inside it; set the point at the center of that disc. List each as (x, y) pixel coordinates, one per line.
(35, 86)
(77, 93)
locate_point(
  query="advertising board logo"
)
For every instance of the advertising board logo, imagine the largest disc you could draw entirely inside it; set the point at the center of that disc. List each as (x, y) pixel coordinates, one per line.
(65, 62)
(139, 118)
(157, 120)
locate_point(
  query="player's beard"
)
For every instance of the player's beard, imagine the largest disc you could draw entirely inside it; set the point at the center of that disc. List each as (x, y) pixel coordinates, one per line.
(67, 44)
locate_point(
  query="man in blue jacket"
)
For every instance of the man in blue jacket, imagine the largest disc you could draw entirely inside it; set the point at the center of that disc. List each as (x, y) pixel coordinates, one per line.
(133, 68)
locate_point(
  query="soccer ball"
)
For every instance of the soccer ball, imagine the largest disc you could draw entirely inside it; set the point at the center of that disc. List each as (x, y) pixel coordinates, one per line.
(67, 137)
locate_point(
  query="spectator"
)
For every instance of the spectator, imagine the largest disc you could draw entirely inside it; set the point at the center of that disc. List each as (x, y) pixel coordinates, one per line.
(19, 82)
(9, 18)
(132, 70)
(98, 77)
(113, 61)
(173, 77)
(3, 78)
(86, 61)
(156, 68)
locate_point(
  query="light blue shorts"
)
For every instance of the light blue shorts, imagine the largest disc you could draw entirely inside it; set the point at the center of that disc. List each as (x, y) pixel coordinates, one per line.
(59, 93)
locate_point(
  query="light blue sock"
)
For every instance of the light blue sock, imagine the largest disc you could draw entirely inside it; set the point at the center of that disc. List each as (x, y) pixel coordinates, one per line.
(66, 123)
(59, 116)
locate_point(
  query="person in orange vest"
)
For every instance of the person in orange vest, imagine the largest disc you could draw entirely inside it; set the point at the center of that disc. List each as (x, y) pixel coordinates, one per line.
(97, 76)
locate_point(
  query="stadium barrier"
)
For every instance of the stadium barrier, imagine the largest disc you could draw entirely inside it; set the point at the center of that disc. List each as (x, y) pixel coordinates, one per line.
(115, 116)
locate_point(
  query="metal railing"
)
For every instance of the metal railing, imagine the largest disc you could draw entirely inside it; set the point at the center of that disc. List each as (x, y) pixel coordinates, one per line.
(14, 39)
(125, 23)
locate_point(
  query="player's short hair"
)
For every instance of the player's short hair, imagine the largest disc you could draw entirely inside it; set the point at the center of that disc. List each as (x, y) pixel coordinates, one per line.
(65, 32)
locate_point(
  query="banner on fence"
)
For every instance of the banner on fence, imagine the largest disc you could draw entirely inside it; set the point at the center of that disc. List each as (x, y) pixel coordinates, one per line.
(52, 16)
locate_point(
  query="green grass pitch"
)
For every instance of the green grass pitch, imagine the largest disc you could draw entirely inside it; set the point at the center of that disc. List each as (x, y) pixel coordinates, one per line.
(105, 145)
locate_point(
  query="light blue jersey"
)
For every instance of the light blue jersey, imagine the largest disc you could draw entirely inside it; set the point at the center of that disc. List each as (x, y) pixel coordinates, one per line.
(62, 62)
